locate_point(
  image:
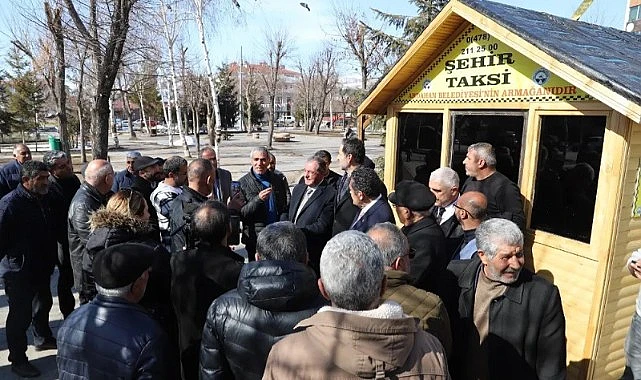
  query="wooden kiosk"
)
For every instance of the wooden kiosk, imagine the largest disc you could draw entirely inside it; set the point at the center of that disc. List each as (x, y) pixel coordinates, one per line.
(561, 102)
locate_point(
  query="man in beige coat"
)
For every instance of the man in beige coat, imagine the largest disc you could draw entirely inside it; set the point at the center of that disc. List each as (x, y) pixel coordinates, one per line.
(357, 336)
(418, 303)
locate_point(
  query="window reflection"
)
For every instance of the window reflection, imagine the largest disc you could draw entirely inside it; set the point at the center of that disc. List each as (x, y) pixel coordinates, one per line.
(567, 175)
(419, 151)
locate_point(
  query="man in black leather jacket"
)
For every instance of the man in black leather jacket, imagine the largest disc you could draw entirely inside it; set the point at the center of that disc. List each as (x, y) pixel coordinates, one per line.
(274, 293)
(112, 337)
(265, 197)
(92, 194)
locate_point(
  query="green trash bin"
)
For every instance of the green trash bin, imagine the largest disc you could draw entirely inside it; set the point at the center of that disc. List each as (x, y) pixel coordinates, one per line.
(54, 143)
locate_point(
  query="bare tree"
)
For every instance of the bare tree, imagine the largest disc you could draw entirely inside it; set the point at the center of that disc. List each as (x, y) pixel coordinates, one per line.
(327, 79)
(277, 47)
(104, 29)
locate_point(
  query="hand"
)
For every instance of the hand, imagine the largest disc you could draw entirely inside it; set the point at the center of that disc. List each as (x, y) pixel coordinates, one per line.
(263, 195)
(635, 270)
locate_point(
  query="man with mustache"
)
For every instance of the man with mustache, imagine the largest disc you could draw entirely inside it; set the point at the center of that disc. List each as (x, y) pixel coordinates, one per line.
(509, 322)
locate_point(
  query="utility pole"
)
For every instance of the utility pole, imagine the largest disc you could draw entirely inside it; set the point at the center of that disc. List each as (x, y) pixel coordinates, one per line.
(240, 87)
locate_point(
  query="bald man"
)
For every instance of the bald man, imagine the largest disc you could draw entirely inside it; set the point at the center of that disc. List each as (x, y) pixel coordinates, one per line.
(471, 210)
(92, 194)
(10, 174)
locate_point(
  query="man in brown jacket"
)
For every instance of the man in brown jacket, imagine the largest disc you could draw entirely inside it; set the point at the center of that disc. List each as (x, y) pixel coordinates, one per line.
(418, 303)
(357, 336)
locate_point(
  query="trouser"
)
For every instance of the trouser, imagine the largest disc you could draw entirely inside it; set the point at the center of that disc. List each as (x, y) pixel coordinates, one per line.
(633, 350)
(29, 303)
(66, 301)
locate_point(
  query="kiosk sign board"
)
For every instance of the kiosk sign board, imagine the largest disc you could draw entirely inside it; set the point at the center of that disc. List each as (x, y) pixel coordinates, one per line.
(478, 68)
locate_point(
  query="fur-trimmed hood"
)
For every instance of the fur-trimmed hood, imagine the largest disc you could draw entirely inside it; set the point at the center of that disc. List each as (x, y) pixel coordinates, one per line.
(104, 218)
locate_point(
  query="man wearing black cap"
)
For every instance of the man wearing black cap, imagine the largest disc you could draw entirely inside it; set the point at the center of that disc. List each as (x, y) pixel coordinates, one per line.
(413, 202)
(149, 174)
(112, 336)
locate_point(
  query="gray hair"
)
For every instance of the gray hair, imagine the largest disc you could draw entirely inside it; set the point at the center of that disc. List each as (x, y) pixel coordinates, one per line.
(352, 270)
(445, 176)
(260, 149)
(322, 165)
(493, 233)
(206, 149)
(133, 154)
(390, 240)
(115, 292)
(31, 169)
(52, 156)
(282, 241)
(100, 174)
(484, 151)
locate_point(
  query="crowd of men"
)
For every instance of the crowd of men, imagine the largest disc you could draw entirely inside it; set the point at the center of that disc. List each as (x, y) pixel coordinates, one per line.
(332, 287)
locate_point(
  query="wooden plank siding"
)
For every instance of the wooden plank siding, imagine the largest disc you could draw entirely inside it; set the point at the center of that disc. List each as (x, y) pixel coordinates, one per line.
(621, 291)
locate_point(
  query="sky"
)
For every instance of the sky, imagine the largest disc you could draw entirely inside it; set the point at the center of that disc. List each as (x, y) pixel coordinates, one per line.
(310, 30)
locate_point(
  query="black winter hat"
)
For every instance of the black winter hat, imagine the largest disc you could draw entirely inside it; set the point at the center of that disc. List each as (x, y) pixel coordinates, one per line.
(121, 264)
(413, 195)
(146, 161)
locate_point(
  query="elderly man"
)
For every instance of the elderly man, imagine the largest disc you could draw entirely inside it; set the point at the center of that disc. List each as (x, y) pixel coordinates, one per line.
(365, 190)
(163, 196)
(357, 336)
(426, 306)
(92, 194)
(509, 321)
(470, 211)
(112, 337)
(266, 199)
(200, 179)
(274, 293)
(28, 251)
(413, 202)
(312, 209)
(150, 172)
(331, 177)
(222, 177)
(503, 196)
(125, 178)
(443, 184)
(11, 174)
(199, 276)
(63, 185)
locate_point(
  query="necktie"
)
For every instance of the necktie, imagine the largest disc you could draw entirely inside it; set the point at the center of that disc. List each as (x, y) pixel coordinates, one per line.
(343, 186)
(304, 200)
(439, 214)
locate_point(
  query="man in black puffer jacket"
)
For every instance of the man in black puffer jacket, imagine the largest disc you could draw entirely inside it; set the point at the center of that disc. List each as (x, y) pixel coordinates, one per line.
(274, 293)
(112, 337)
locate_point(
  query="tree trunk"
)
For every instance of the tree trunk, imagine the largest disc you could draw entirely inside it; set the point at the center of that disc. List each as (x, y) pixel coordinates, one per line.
(100, 120)
(211, 132)
(272, 111)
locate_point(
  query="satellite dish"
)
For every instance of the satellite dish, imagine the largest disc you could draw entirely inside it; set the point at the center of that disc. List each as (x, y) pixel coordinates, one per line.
(629, 27)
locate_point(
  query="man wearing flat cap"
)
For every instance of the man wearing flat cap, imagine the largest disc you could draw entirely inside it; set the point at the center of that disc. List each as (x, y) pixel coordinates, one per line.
(413, 202)
(123, 179)
(149, 174)
(112, 336)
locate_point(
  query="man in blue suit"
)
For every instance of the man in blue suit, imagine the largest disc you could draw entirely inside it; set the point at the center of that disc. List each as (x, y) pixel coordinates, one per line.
(311, 209)
(365, 190)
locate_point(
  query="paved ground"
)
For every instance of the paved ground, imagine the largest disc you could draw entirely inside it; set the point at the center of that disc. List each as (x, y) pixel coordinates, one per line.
(233, 156)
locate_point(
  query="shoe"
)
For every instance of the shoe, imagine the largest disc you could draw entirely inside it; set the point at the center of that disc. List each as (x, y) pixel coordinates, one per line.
(25, 369)
(48, 344)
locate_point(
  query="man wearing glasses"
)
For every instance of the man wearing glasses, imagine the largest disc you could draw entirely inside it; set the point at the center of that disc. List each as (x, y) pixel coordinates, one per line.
(413, 202)
(125, 178)
(471, 210)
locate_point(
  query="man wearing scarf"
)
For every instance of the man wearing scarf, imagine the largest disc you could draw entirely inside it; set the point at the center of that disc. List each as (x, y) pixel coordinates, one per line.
(265, 197)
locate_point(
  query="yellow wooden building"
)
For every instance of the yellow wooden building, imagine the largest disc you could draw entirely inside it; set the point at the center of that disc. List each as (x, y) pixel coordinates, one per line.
(561, 102)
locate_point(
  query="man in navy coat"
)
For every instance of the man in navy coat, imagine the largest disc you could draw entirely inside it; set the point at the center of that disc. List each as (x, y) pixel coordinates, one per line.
(11, 173)
(365, 190)
(312, 209)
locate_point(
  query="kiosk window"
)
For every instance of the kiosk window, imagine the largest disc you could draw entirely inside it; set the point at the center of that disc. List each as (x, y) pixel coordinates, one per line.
(419, 147)
(567, 175)
(504, 132)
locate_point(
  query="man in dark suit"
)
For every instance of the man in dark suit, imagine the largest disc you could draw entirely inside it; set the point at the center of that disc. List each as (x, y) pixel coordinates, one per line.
(331, 177)
(351, 154)
(365, 190)
(222, 182)
(444, 184)
(312, 209)
(413, 202)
